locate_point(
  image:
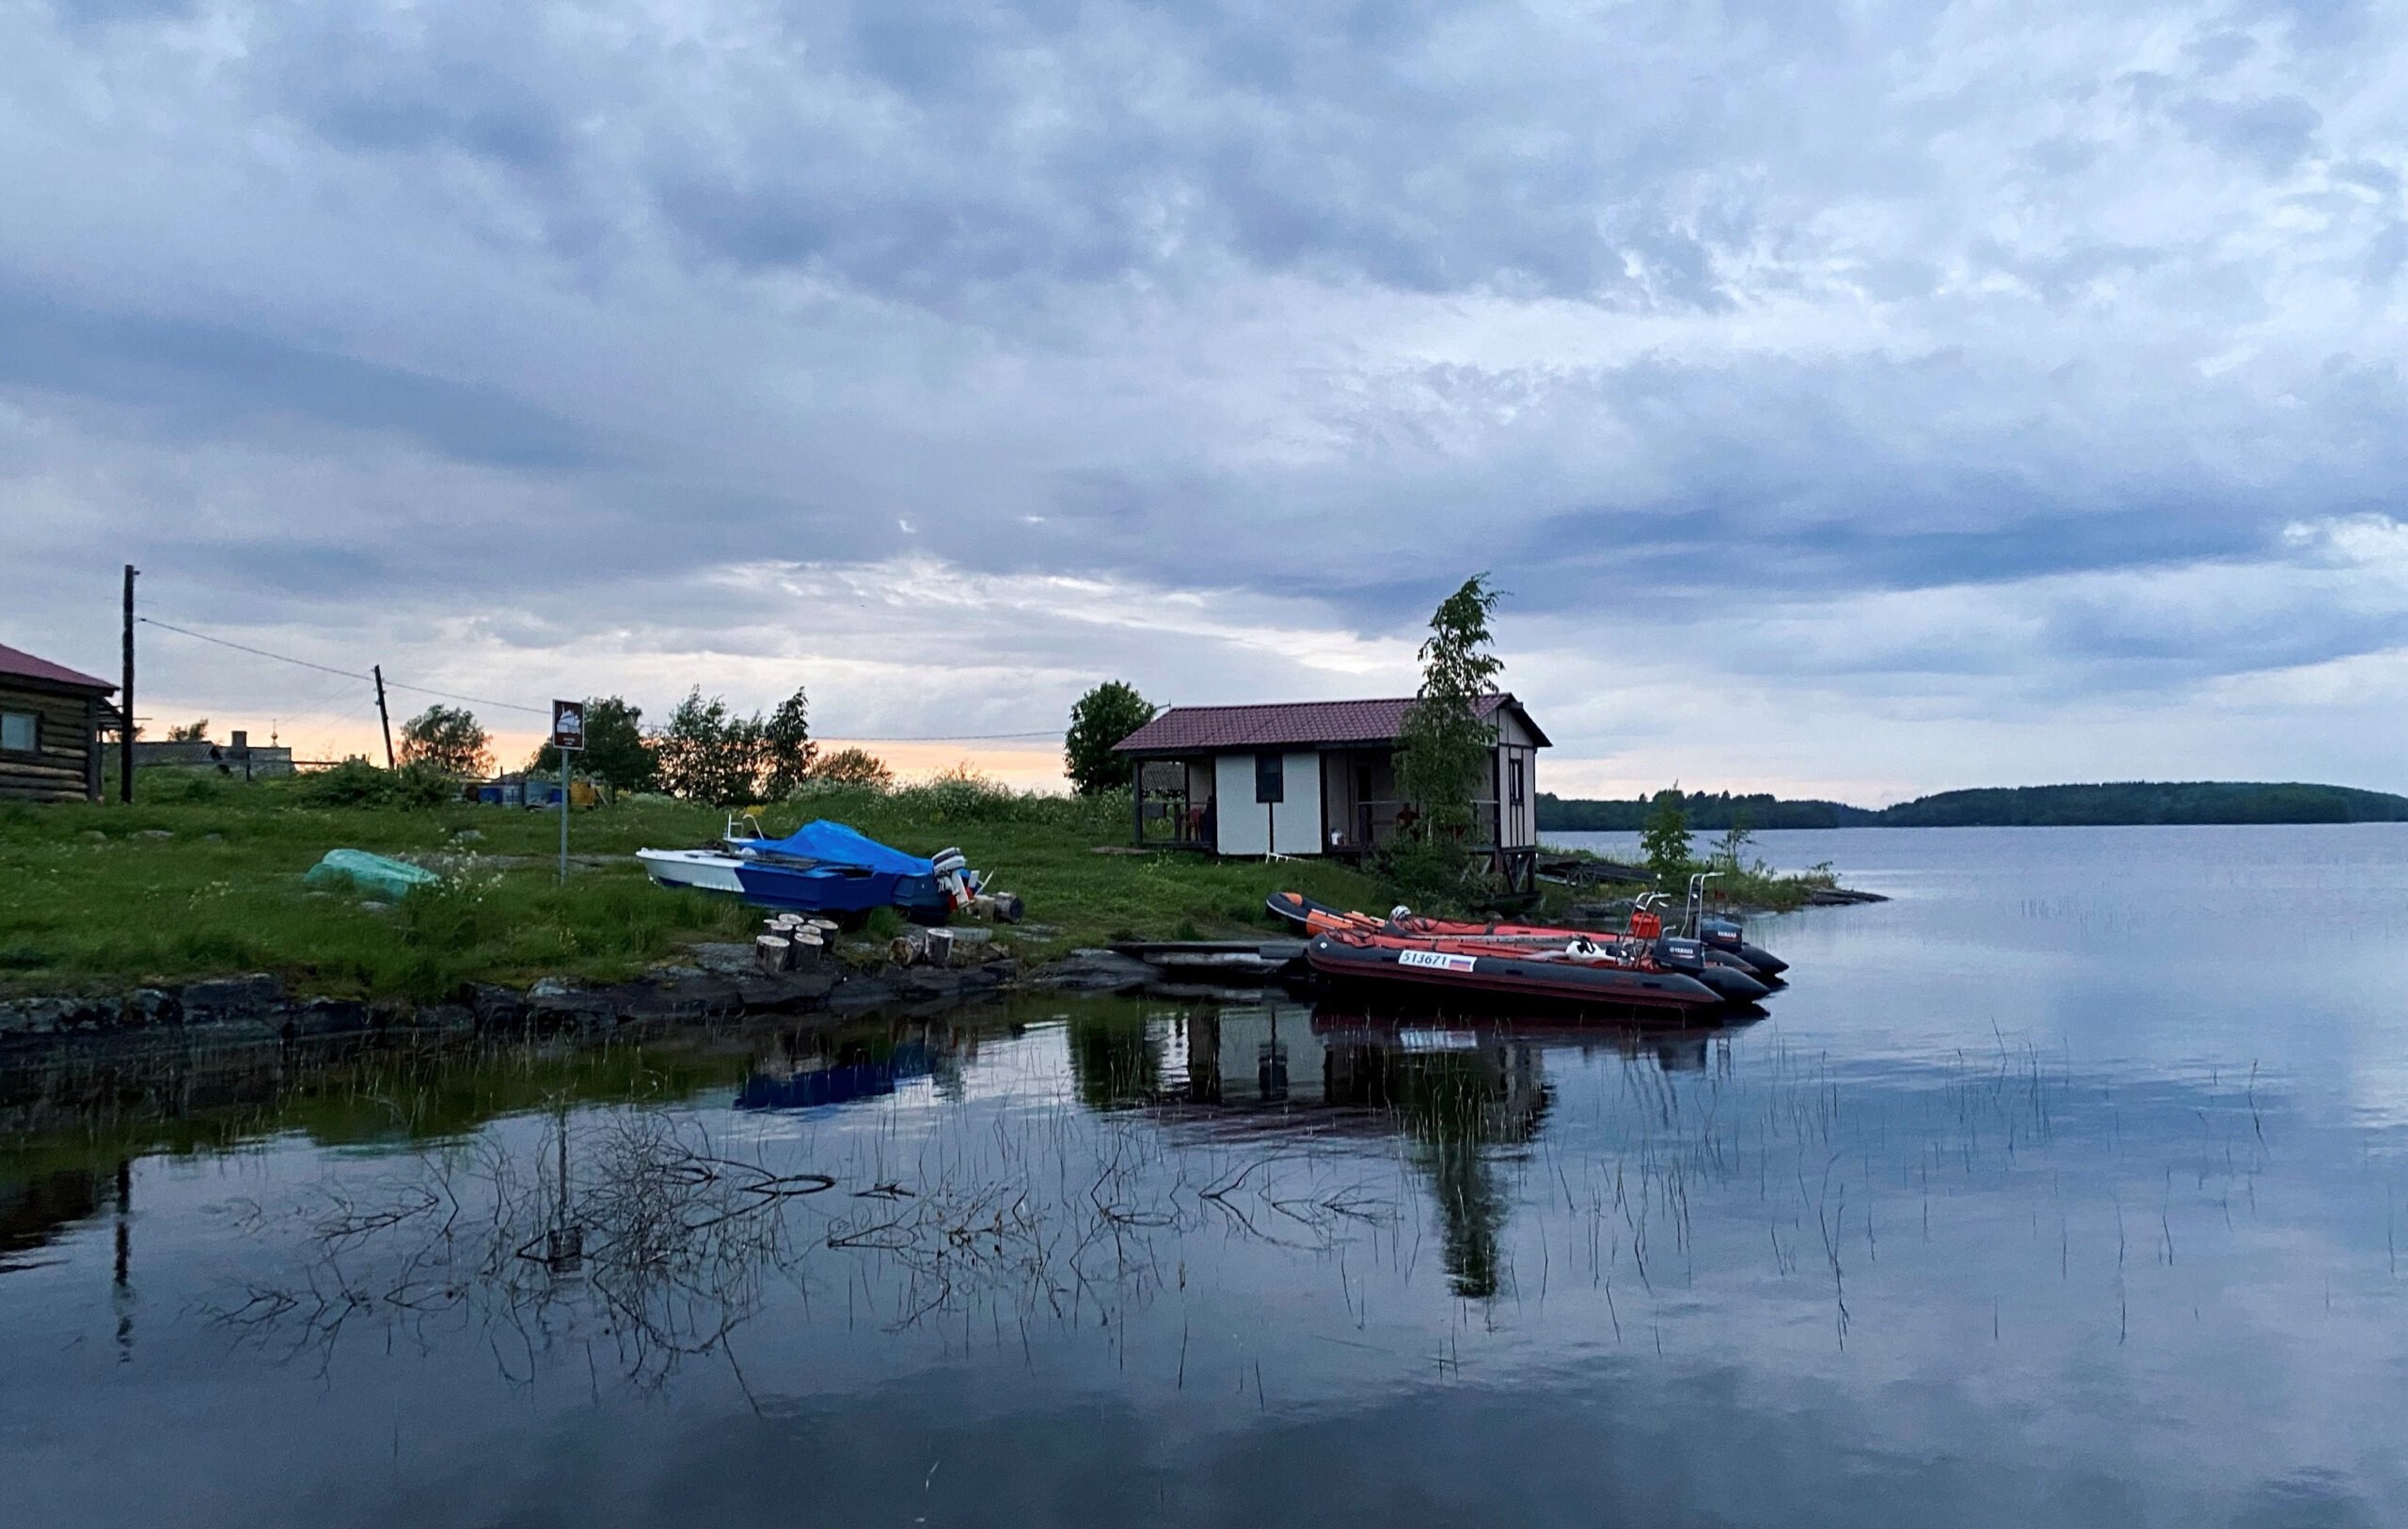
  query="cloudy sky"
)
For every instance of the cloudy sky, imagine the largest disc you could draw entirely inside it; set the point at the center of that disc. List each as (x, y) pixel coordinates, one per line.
(1855, 399)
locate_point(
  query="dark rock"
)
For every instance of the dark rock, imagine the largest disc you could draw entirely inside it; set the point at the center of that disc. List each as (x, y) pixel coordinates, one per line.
(1095, 971)
(495, 1008)
(34, 1018)
(223, 998)
(328, 1017)
(929, 982)
(444, 1019)
(696, 997)
(553, 1005)
(151, 1006)
(862, 991)
(783, 992)
(726, 958)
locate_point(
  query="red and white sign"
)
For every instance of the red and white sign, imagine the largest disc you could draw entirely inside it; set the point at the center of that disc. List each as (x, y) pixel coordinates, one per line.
(568, 724)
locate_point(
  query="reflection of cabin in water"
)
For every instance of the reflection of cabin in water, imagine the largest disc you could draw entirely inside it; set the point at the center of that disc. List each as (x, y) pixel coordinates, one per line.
(1315, 777)
(1281, 1056)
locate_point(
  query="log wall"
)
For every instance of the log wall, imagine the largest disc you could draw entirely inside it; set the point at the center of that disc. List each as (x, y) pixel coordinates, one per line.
(66, 766)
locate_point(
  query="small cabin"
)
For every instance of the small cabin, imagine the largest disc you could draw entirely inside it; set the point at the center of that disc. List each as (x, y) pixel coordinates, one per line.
(1314, 778)
(50, 730)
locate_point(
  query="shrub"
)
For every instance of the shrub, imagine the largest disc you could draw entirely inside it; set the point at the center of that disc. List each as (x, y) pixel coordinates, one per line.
(852, 767)
(356, 782)
(1429, 875)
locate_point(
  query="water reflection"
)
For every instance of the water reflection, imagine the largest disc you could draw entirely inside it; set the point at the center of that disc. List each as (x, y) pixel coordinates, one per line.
(1115, 1262)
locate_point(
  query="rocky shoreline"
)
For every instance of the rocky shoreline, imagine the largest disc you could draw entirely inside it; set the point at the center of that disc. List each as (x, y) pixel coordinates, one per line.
(723, 984)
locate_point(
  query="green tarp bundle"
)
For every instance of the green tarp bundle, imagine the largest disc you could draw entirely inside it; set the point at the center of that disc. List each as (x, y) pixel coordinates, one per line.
(370, 873)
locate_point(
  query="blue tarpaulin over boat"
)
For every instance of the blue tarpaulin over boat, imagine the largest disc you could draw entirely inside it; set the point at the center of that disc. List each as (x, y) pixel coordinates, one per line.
(835, 844)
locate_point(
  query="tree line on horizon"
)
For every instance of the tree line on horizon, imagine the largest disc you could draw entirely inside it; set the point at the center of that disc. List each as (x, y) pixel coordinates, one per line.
(2116, 803)
(706, 751)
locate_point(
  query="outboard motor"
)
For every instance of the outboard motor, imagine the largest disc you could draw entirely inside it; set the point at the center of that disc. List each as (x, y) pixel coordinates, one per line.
(1726, 936)
(1687, 957)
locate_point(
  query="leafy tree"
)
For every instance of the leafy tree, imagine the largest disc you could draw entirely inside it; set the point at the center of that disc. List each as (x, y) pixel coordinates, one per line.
(617, 753)
(1734, 842)
(786, 748)
(708, 753)
(445, 738)
(1665, 841)
(853, 766)
(1445, 747)
(190, 732)
(1099, 719)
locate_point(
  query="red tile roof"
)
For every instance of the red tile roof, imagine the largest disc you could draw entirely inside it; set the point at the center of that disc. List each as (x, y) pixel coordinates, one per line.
(15, 663)
(1202, 729)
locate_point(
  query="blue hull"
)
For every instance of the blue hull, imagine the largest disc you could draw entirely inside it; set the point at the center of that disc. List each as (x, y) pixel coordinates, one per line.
(839, 890)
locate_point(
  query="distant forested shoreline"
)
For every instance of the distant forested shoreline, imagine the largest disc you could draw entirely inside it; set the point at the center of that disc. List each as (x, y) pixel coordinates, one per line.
(2115, 805)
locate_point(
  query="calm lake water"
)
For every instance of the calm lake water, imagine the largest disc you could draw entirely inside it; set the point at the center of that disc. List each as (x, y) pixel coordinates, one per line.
(2067, 1188)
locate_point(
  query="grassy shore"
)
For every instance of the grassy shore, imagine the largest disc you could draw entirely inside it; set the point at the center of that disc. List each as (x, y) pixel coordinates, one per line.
(203, 877)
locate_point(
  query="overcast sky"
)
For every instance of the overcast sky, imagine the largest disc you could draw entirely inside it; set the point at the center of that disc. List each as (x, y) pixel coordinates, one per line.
(1854, 400)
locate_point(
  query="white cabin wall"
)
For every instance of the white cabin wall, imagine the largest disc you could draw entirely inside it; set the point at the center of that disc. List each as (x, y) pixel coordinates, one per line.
(1243, 829)
(1300, 814)
(1247, 825)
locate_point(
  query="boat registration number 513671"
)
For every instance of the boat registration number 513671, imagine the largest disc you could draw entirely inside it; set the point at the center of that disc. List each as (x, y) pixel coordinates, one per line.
(1441, 959)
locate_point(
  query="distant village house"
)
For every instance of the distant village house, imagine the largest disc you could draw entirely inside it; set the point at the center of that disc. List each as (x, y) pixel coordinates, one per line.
(50, 730)
(1314, 778)
(237, 755)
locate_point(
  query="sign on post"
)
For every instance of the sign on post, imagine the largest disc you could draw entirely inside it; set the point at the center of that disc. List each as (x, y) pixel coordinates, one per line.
(568, 736)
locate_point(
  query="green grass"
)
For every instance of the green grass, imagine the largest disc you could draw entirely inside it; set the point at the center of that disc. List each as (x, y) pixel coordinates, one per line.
(91, 900)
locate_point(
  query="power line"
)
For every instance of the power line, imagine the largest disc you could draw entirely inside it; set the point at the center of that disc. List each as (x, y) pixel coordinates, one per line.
(479, 700)
(347, 674)
(540, 711)
(940, 737)
(245, 647)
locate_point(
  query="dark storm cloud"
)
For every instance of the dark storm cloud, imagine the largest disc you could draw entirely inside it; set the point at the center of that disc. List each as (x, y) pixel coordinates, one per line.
(199, 378)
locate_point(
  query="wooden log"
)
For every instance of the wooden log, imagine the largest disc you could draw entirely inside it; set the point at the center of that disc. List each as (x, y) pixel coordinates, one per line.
(773, 952)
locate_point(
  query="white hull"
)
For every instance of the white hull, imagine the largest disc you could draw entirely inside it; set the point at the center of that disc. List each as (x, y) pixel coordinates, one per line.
(707, 870)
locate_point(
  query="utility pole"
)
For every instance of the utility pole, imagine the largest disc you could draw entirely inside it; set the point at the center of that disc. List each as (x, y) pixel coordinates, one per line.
(125, 737)
(382, 715)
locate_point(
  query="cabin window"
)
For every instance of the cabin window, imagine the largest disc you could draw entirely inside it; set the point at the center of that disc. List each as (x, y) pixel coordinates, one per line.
(1270, 777)
(20, 731)
(1516, 788)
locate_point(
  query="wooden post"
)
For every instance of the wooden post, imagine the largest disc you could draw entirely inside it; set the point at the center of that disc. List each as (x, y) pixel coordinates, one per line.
(382, 715)
(125, 738)
(1137, 803)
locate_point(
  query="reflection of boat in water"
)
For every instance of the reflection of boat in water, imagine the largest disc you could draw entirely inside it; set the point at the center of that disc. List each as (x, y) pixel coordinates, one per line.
(835, 1077)
(1675, 1049)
